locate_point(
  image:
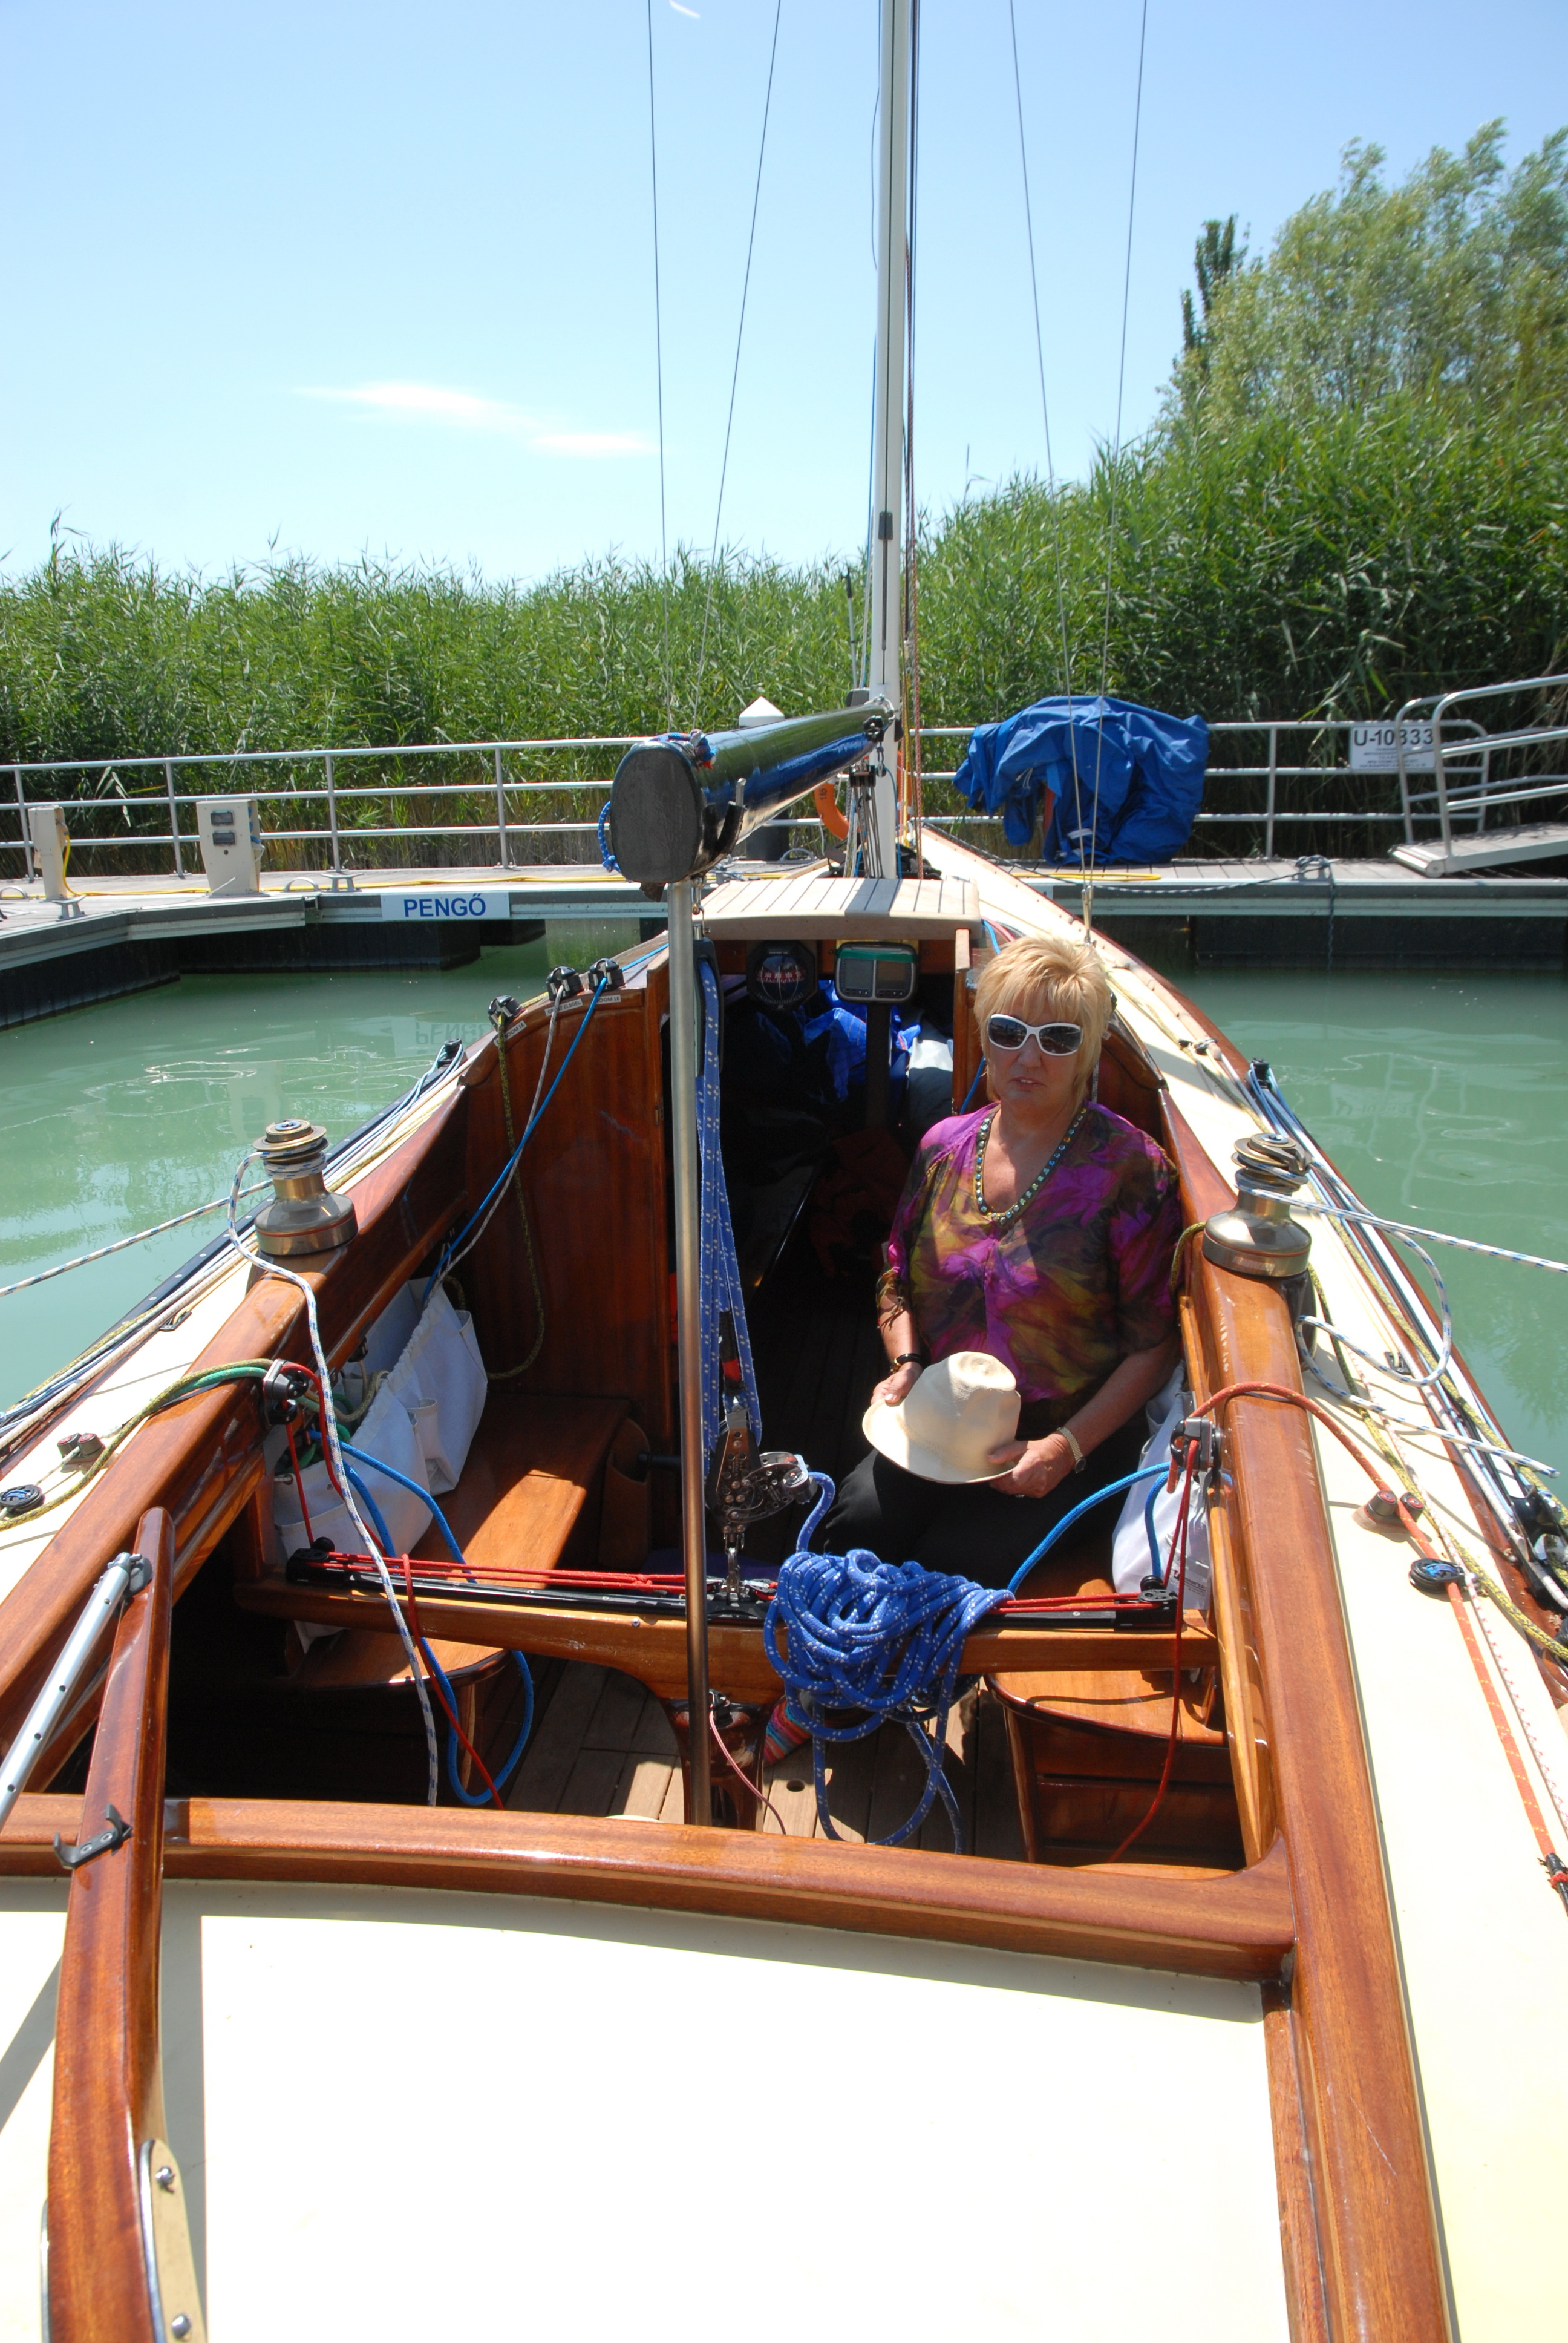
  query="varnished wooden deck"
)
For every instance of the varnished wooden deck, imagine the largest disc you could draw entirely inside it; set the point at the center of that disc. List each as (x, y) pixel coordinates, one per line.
(604, 1747)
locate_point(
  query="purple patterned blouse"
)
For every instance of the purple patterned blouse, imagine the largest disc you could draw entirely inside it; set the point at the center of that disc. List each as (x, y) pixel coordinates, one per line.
(1063, 1293)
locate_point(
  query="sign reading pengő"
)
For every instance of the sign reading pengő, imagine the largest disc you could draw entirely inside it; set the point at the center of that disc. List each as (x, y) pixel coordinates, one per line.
(468, 903)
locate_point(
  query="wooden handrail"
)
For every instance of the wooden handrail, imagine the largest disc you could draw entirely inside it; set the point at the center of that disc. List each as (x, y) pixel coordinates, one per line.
(1373, 2183)
(108, 2109)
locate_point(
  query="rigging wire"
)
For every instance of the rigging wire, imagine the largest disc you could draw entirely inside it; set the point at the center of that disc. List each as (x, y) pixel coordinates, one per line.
(735, 371)
(1115, 470)
(909, 665)
(1045, 416)
(658, 377)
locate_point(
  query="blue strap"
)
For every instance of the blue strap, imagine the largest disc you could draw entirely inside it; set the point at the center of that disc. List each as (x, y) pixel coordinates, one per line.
(719, 1280)
(1111, 1488)
(884, 1639)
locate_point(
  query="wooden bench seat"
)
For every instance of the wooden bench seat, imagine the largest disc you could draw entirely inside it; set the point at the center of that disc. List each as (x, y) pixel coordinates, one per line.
(531, 1487)
(549, 1480)
(1088, 1747)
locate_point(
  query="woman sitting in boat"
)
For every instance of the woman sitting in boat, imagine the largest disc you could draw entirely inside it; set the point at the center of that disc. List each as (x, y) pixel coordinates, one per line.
(1039, 1233)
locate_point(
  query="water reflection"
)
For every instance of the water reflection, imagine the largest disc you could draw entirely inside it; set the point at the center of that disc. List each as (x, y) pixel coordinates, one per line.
(1444, 1100)
(124, 1113)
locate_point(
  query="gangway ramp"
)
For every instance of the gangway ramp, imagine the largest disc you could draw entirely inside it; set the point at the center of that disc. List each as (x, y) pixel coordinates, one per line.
(1432, 858)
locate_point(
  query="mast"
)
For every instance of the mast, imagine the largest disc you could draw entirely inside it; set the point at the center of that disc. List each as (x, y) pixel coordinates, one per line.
(887, 422)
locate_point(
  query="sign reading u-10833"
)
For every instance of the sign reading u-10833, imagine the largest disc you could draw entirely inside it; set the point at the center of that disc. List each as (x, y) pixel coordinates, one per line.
(461, 903)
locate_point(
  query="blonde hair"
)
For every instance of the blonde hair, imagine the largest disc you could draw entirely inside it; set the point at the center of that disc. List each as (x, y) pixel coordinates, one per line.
(1050, 980)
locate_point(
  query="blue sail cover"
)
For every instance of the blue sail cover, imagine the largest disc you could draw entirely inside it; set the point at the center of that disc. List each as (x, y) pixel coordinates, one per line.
(1149, 770)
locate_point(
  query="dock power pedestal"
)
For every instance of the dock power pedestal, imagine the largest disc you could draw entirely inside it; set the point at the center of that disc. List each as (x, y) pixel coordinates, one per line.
(47, 838)
(231, 845)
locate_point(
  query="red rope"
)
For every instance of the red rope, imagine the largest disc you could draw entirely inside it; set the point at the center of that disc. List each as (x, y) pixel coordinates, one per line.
(1295, 1399)
(742, 1777)
(299, 1484)
(435, 1686)
(1179, 1565)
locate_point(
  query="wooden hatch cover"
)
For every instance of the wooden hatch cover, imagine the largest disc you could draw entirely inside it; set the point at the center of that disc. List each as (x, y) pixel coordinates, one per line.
(816, 909)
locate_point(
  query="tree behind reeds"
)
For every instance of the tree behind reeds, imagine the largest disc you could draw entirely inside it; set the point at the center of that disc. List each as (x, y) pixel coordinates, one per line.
(1358, 490)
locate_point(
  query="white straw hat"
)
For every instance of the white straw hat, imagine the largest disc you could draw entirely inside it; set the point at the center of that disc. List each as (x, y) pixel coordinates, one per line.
(951, 1420)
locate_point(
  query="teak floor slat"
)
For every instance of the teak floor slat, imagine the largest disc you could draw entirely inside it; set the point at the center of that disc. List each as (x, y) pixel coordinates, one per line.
(604, 1747)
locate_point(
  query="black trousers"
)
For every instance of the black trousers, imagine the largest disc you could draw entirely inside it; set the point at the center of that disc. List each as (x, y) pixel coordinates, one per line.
(973, 1529)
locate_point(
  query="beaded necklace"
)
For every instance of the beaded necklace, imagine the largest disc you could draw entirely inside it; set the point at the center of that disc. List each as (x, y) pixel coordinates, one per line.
(1002, 1218)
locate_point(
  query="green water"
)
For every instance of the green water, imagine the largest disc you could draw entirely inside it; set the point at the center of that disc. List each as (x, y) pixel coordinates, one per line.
(1444, 1100)
(121, 1115)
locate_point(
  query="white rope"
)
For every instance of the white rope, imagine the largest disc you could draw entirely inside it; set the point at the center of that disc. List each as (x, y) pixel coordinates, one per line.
(1432, 1236)
(270, 1268)
(102, 1252)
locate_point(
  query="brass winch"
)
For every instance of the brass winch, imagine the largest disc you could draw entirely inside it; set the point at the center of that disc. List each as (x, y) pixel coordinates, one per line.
(1258, 1238)
(303, 1216)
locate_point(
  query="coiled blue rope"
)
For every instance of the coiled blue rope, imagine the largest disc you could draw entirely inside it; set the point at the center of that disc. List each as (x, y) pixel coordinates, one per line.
(469, 1797)
(718, 1282)
(606, 851)
(883, 1638)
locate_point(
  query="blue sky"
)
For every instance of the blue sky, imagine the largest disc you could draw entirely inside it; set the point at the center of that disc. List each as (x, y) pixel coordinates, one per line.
(334, 278)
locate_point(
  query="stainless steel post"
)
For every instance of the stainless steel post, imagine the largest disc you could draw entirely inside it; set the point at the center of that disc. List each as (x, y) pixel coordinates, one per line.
(1440, 778)
(174, 816)
(1274, 789)
(332, 809)
(501, 811)
(880, 838)
(59, 1685)
(689, 1335)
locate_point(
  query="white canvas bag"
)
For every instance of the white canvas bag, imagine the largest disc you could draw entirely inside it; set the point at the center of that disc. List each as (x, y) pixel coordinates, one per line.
(440, 1379)
(1131, 1562)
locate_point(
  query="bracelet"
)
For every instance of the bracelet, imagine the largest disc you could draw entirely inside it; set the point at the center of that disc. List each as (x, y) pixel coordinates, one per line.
(908, 1359)
(1078, 1459)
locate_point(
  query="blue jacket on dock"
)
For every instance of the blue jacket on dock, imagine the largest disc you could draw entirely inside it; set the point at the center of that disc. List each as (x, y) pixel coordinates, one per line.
(1149, 769)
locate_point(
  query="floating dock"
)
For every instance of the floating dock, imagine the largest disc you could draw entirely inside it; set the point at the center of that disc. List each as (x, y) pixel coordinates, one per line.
(109, 937)
(1318, 914)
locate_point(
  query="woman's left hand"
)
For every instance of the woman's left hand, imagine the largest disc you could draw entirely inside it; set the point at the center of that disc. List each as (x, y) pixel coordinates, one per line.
(1037, 1465)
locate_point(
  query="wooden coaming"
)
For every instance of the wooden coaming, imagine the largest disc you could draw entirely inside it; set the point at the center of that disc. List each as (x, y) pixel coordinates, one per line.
(1376, 2214)
(593, 1176)
(1237, 1927)
(108, 2086)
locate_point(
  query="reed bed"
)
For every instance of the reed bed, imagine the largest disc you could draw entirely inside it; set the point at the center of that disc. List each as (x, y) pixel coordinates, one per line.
(1357, 491)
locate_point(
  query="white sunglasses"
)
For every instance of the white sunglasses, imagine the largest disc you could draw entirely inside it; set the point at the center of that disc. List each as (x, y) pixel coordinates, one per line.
(1010, 1034)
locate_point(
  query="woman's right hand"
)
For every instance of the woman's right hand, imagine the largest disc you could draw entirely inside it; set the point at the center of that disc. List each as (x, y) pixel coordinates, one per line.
(896, 1388)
